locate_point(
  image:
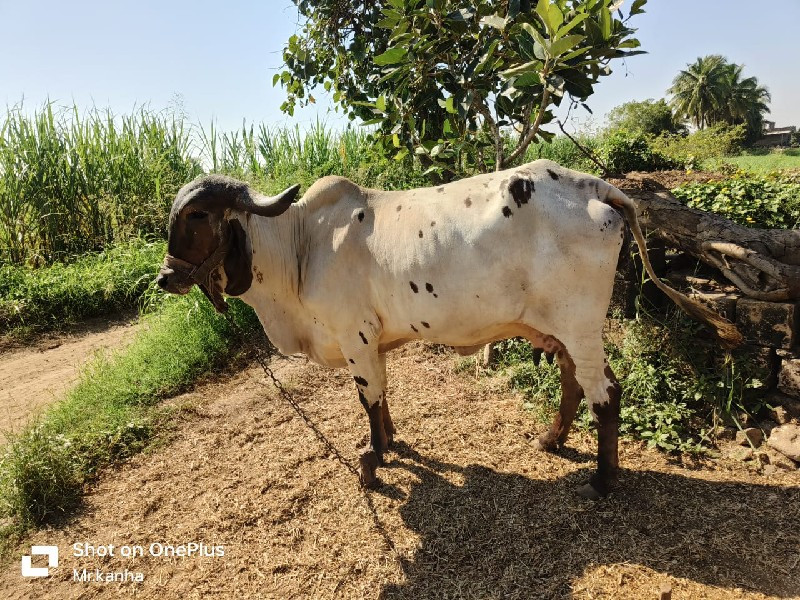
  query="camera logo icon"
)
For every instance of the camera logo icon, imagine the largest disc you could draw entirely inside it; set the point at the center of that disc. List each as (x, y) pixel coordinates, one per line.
(51, 552)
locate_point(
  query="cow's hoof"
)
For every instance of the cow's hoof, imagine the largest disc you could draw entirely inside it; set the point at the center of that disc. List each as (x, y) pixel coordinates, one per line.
(588, 492)
(368, 464)
(546, 443)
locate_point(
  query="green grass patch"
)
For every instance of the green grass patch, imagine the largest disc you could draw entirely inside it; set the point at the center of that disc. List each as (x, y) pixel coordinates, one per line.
(113, 410)
(760, 163)
(64, 293)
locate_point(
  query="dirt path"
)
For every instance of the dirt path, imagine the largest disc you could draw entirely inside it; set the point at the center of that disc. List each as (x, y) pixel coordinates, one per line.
(467, 508)
(33, 377)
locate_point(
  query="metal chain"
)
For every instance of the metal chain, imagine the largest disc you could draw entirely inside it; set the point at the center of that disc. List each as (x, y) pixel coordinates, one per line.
(273, 351)
(262, 360)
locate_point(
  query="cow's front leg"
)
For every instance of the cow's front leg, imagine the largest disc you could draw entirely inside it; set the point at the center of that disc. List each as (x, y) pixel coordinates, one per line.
(369, 373)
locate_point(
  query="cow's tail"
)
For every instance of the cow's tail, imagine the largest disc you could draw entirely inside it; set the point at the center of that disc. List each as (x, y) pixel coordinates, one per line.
(726, 332)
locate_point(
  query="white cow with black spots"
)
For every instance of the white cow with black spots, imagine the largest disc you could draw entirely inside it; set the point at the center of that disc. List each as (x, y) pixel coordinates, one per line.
(348, 273)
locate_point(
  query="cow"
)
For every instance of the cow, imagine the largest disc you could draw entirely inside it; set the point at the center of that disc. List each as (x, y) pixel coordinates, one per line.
(348, 273)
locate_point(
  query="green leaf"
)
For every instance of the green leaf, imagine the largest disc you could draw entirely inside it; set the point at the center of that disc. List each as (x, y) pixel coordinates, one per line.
(391, 56)
(574, 53)
(495, 21)
(275, 79)
(571, 25)
(532, 31)
(543, 10)
(530, 67)
(398, 4)
(605, 23)
(449, 106)
(565, 44)
(527, 79)
(636, 7)
(380, 103)
(401, 154)
(556, 18)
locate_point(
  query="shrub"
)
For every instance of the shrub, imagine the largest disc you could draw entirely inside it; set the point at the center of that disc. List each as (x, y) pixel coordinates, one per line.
(769, 201)
(561, 150)
(649, 117)
(690, 151)
(623, 152)
(674, 388)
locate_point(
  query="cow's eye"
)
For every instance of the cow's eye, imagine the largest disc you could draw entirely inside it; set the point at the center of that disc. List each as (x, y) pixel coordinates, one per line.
(196, 215)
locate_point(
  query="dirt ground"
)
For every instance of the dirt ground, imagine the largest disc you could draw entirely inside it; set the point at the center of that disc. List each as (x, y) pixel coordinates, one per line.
(33, 377)
(467, 508)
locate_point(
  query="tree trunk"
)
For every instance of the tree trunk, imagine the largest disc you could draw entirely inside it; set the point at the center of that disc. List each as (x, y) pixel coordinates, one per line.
(762, 263)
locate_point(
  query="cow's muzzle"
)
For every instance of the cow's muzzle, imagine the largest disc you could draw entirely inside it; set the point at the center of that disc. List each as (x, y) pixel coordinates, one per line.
(177, 276)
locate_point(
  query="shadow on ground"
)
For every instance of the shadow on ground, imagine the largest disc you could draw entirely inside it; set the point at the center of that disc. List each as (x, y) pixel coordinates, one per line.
(506, 535)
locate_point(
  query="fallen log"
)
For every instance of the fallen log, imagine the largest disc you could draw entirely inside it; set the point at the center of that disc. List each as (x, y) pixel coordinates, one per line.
(763, 263)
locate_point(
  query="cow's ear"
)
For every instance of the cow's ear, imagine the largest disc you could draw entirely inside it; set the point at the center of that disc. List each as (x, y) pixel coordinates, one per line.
(238, 262)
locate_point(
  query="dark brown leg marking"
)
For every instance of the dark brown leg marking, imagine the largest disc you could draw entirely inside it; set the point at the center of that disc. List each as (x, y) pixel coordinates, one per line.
(388, 424)
(571, 394)
(607, 438)
(371, 456)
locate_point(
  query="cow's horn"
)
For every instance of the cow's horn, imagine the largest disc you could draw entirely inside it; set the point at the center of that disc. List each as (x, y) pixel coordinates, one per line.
(266, 206)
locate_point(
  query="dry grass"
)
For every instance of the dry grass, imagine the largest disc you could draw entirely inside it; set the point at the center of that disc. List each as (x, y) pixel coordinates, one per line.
(467, 508)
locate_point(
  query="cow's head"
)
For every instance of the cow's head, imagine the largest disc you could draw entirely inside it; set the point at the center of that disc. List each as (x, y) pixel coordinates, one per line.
(203, 238)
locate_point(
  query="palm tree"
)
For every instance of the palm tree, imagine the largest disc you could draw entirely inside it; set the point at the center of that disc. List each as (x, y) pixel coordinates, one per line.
(746, 102)
(699, 91)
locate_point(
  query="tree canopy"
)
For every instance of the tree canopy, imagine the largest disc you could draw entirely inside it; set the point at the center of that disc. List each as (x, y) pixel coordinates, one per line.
(649, 116)
(451, 81)
(711, 91)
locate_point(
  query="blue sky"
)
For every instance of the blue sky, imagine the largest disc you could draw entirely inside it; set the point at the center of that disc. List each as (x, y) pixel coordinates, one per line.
(217, 60)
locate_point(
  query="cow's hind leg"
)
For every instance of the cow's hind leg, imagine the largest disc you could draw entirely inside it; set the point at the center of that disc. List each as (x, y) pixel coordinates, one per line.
(571, 393)
(603, 394)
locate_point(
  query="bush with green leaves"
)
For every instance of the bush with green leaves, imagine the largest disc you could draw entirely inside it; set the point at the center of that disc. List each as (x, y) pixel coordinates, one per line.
(623, 151)
(767, 201)
(691, 151)
(650, 117)
(674, 388)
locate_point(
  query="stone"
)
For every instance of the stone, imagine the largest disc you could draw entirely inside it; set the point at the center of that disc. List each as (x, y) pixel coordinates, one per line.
(770, 324)
(789, 377)
(787, 403)
(786, 440)
(751, 435)
(763, 458)
(743, 454)
(780, 415)
(726, 433)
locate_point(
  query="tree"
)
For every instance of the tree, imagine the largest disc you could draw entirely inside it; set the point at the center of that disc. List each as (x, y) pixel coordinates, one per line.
(699, 91)
(712, 91)
(460, 85)
(652, 117)
(746, 102)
